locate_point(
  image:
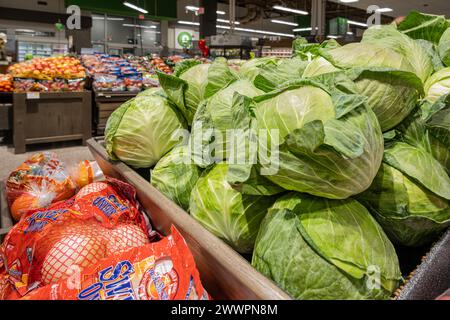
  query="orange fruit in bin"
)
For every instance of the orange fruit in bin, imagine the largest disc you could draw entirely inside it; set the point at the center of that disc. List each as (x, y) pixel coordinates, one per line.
(23, 204)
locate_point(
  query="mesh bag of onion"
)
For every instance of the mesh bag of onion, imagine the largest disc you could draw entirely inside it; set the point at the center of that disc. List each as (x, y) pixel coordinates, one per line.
(50, 245)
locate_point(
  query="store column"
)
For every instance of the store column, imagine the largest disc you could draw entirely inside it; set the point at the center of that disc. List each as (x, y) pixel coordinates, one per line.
(208, 20)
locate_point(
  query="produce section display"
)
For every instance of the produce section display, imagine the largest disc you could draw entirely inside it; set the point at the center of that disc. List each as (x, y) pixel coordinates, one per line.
(96, 226)
(55, 74)
(345, 149)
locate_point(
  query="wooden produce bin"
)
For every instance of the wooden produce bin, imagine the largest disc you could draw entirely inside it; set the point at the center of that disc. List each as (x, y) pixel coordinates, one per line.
(105, 104)
(224, 273)
(51, 117)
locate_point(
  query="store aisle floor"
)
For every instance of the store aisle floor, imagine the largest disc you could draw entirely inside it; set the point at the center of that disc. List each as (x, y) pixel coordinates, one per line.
(70, 156)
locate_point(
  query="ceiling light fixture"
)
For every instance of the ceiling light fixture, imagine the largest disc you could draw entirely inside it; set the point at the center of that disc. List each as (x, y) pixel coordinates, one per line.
(302, 29)
(132, 6)
(356, 23)
(332, 37)
(189, 23)
(284, 22)
(349, 1)
(382, 10)
(281, 8)
(228, 21)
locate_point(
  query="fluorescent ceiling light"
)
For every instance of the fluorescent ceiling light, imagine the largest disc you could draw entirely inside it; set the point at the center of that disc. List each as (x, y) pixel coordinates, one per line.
(284, 22)
(25, 30)
(356, 23)
(349, 1)
(259, 31)
(333, 37)
(228, 21)
(189, 22)
(138, 26)
(148, 31)
(349, 33)
(281, 8)
(385, 10)
(109, 19)
(302, 29)
(195, 9)
(192, 8)
(132, 6)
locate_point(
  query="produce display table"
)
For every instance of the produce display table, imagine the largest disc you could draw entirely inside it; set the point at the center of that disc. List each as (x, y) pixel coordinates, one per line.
(105, 104)
(51, 117)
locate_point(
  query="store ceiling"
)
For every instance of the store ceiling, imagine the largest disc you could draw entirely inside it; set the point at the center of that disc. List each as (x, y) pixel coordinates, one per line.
(403, 7)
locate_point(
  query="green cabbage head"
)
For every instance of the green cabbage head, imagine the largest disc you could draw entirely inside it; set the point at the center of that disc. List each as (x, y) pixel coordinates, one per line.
(141, 131)
(231, 212)
(320, 249)
(381, 74)
(324, 143)
(175, 175)
(438, 85)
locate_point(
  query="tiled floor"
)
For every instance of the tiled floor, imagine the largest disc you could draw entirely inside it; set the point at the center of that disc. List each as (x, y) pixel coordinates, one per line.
(69, 155)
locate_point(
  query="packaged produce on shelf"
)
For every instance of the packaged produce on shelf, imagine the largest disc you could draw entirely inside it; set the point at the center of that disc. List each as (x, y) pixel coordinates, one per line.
(22, 85)
(150, 80)
(104, 82)
(6, 83)
(40, 181)
(133, 83)
(74, 244)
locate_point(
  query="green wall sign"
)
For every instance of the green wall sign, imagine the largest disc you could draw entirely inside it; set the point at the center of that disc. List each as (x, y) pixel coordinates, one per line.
(184, 39)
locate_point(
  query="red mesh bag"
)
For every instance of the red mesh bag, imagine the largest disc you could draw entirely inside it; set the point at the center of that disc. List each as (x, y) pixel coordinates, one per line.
(163, 270)
(49, 245)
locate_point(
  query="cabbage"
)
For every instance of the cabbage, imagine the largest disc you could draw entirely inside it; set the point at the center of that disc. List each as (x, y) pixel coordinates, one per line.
(141, 131)
(330, 144)
(389, 37)
(272, 76)
(438, 85)
(251, 68)
(231, 212)
(308, 51)
(193, 82)
(217, 114)
(410, 195)
(424, 26)
(175, 176)
(444, 47)
(384, 76)
(325, 249)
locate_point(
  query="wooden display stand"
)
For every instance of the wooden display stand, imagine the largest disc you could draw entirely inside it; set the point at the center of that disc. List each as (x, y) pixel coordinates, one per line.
(51, 117)
(105, 104)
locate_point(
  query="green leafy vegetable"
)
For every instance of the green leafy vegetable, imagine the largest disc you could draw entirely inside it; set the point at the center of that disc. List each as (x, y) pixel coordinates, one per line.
(326, 249)
(141, 131)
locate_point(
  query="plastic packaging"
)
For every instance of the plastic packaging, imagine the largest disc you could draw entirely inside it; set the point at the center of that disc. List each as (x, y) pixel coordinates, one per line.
(49, 245)
(38, 182)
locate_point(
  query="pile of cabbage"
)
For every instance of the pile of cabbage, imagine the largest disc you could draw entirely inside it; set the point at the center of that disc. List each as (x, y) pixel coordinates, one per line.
(316, 165)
